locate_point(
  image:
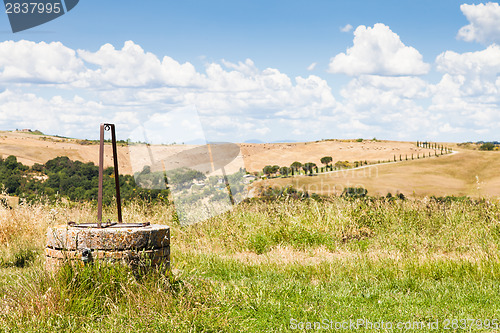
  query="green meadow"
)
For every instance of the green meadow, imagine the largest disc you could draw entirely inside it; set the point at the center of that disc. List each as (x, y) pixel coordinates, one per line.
(268, 266)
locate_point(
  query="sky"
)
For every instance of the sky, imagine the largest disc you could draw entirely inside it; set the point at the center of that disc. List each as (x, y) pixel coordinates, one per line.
(267, 71)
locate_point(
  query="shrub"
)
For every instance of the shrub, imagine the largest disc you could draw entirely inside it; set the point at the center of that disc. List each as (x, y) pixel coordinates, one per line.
(354, 192)
(487, 146)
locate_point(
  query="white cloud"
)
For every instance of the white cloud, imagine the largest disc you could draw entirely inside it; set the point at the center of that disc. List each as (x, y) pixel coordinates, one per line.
(378, 104)
(132, 67)
(70, 117)
(378, 51)
(468, 95)
(485, 62)
(484, 24)
(472, 77)
(248, 67)
(447, 128)
(40, 63)
(312, 66)
(240, 101)
(263, 131)
(346, 28)
(134, 83)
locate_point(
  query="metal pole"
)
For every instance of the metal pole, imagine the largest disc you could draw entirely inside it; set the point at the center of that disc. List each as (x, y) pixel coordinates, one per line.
(101, 172)
(117, 175)
(107, 127)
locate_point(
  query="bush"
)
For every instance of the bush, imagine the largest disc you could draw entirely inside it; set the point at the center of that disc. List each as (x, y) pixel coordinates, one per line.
(487, 146)
(355, 192)
(342, 165)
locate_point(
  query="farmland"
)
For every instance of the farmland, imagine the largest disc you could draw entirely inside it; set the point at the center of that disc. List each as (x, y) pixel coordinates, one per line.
(466, 173)
(279, 263)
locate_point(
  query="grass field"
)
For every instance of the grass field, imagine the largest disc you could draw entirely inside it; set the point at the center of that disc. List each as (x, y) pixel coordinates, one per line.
(267, 267)
(468, 172)
(279, 265)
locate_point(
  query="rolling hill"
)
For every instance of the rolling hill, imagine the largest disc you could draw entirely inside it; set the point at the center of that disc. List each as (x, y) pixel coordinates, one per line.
(469, 172)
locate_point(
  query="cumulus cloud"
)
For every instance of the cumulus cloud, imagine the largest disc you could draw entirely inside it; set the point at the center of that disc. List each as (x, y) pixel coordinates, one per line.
(137, 84)
(40, 63)
(378, 51)
(484, 24)
(347, 28)
(467, 98)
(73, 117)
(485, 62)
(133, 67)
(375, 104)
(471, 76)
(238, 101)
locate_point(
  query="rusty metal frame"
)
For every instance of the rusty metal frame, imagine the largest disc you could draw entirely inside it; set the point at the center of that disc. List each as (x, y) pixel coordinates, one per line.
(108, 127)
(109, 224)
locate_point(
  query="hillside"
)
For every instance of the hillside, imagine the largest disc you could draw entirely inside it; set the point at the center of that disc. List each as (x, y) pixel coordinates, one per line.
(468, 172)
(444, 175)
(30, 149)
(257, 156)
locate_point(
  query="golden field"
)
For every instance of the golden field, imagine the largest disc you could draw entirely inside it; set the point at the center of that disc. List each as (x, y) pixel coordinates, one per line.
(466, 172)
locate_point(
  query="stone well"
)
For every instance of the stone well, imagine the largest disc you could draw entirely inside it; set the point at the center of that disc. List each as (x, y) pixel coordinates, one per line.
(132, 245)
(136, 244)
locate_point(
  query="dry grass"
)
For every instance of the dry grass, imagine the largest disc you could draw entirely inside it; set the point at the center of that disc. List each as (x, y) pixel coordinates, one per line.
(257, 156)
(440, 176)
(254, 268)
(30, 149)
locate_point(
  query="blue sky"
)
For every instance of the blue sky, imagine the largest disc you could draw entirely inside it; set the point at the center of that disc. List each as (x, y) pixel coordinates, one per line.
(266, 70)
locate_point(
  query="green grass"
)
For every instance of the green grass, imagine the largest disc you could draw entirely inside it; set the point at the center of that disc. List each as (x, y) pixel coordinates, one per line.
(265, 267)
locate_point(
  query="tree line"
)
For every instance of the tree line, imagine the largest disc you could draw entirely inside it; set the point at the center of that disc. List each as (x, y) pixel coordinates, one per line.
(297, 168)
(436, 146)
(74, 180)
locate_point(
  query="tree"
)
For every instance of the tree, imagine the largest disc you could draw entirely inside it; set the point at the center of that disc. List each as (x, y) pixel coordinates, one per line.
(268, 170)
(354, 192)
(487, 146)
(284, 171)
(146, 170)
(37, 167)
(308, 167)
(326, 160)
(11, 163)
(295, 166)
(343, 164)
(12, 184)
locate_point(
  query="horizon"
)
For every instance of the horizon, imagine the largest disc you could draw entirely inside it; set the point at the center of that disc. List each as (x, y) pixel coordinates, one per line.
(250, 141)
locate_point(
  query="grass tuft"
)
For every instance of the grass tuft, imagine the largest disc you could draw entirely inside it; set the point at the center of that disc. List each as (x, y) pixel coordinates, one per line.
(261, 266)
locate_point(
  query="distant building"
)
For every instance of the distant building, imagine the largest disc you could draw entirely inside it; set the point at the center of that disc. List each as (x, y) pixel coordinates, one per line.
(26, 130)
(248, 178)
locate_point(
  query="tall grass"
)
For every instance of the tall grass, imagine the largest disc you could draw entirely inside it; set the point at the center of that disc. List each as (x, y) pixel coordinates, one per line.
(263, 266)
